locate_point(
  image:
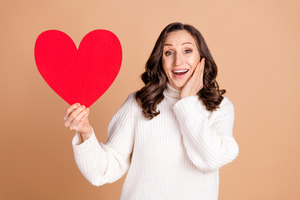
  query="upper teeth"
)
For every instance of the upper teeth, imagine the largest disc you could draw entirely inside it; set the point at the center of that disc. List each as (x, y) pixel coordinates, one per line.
(180, 71)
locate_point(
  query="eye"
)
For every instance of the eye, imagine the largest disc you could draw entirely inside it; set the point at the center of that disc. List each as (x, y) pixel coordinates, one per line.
(167, 53)
(188, 51)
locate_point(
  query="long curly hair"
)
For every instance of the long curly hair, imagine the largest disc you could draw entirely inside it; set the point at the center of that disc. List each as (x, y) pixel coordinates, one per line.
(155, 79)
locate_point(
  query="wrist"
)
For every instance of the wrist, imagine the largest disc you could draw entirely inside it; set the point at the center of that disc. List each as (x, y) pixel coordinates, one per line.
(86, 135)
(184, 95)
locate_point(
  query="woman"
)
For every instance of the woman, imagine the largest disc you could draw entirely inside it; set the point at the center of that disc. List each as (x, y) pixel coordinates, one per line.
(173, 135)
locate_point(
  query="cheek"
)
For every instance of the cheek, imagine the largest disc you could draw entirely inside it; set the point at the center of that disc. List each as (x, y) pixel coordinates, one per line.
(164, 68)
(165, 65)
(194, 61)
(193, 64)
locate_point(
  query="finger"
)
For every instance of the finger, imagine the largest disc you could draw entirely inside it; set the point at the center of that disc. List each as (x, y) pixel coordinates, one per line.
(197, 77)
(79, 118)
(73, 115)
(201, 73)
(79, 121)
(201, 67)
(70, 109)
(202, 61)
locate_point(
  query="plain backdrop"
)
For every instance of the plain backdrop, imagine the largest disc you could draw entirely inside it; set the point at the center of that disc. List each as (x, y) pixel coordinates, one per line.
(254, 43)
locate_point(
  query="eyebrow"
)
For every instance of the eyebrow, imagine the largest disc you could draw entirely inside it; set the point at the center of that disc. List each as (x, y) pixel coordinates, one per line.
(181, 44)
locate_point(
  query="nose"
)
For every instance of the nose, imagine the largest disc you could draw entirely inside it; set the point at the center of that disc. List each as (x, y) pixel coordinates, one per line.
(178, 59)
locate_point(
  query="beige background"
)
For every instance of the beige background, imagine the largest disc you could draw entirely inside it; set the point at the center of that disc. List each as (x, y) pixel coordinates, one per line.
(255, 44)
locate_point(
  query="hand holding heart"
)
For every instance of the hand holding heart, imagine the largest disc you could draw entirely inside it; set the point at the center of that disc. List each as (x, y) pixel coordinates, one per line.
(195, 83)
(76, 118)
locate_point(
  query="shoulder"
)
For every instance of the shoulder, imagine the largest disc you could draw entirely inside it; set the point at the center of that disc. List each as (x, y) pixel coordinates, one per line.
(226, 103)
(226, 108)
(130, 102)
(128, 110)
(131, 98)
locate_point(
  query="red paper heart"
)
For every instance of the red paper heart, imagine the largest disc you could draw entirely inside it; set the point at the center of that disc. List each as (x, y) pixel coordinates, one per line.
(81, 75)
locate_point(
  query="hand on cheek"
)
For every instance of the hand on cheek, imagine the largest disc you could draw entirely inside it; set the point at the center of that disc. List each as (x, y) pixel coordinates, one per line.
(195, 83)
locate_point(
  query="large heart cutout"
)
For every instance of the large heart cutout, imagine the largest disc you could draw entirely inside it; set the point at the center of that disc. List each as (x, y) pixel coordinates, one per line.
(81, 75)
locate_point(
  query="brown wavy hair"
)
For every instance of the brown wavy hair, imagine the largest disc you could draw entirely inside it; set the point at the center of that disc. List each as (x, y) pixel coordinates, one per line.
(155, 79)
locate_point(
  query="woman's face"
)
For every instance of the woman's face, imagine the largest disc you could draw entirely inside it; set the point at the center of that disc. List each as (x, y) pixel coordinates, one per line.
(180, 57)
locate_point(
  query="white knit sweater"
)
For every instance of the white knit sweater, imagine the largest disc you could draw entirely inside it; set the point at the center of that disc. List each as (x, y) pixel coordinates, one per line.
(176, 155)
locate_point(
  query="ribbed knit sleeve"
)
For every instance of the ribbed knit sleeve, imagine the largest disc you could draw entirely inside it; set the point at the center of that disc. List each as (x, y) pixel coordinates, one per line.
(105, 163)
(207, 136)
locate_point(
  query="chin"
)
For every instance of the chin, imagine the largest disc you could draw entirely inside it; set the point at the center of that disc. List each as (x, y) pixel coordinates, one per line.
(178, 86)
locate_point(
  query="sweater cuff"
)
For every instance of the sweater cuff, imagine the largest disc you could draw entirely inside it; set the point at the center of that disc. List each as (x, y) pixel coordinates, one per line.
(85, 148)
(190, 107)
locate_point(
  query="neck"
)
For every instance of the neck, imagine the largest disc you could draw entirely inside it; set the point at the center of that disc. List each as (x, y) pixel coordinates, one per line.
(172, 92)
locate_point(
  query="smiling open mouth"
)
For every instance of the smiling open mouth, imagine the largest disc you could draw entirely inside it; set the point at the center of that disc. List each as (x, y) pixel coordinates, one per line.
(180, 72)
